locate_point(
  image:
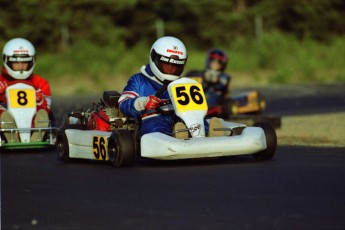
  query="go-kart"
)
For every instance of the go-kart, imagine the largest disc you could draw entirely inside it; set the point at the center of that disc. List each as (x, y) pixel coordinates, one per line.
(247, 107)
(21, 104)
(103, 133)
(250, 102)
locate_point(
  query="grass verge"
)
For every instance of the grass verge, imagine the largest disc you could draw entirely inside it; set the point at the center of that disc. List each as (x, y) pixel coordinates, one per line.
(313, 130)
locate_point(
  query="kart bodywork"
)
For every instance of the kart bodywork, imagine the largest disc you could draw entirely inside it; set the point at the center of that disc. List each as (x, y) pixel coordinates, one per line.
(121, 143)
(21, 104)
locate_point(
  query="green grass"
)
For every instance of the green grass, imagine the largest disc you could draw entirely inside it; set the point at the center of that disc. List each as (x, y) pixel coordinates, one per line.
(274, 59)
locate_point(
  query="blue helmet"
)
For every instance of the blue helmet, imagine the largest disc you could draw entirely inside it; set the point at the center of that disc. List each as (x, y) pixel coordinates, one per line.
(219, 55)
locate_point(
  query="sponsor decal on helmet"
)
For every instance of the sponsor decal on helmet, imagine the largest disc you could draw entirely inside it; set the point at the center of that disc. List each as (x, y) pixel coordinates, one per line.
(172, 60)
(20, 59)
(175, 51)
(178, 62)
(20, 51)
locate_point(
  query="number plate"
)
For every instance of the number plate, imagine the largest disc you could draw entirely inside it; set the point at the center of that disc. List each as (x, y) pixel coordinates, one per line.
(22, 98)
(189, 97)
(99, 147)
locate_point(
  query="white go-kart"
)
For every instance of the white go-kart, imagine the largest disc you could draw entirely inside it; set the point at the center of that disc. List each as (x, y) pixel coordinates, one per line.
(17, 132)
(103, 133)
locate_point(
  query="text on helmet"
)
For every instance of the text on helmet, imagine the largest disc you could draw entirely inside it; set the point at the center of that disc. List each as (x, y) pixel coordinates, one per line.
(173, 61)
(20, 59)
(175, 51)
(20, 51)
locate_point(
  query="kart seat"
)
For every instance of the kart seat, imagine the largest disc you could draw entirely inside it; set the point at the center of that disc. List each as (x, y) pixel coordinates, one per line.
(111, 98)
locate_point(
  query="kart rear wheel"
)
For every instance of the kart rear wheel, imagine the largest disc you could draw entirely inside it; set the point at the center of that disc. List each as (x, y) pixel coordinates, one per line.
(271, 142)
(62, 141)
(121, 148)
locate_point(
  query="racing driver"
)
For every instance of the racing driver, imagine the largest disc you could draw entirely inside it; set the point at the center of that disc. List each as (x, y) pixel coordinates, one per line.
(214, 79)
(167, 59)
(19, 58)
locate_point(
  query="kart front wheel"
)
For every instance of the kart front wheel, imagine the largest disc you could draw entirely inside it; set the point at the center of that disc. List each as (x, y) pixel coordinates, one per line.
(62, 141)
(121, 148)
(62, 145)
(271, 142)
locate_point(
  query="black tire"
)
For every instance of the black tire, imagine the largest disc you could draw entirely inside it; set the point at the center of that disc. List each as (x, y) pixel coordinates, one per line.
(121, 148)
(62, 141)
(271, 142)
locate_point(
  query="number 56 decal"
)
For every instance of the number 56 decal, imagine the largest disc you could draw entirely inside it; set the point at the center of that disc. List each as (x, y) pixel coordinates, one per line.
(99, 147)
(189, 97)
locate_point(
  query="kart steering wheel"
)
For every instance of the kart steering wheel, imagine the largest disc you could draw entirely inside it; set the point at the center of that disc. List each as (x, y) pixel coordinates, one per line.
(164, 102)
(162, 108)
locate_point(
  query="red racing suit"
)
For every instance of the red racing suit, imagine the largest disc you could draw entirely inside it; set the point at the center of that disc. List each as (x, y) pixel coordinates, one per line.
(34, 80)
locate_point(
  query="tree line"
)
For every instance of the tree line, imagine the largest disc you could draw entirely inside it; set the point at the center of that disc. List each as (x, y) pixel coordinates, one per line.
(58, 24)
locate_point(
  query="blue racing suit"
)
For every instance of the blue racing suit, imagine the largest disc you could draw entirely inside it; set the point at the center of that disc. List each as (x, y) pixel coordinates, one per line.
(144, 84)
(215, 91)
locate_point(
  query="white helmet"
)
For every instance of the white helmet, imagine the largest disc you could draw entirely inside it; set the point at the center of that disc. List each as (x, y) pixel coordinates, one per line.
(19, 50)
(168, 57)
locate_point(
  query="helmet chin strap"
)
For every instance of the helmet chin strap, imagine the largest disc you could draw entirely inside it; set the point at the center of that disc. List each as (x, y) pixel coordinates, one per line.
(159, 80)
(165, 82)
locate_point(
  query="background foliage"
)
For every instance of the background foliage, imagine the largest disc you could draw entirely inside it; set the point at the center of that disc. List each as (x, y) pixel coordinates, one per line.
(282, 41)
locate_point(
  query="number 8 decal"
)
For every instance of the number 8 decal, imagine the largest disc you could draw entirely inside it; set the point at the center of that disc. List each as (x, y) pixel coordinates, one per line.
(22, 100)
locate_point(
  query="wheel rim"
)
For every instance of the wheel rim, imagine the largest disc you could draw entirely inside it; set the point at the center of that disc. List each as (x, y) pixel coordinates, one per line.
(114, 155)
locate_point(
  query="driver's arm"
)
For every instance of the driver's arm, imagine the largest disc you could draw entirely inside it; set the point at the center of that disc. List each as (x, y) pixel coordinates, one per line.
(128, 97)
(3, 86)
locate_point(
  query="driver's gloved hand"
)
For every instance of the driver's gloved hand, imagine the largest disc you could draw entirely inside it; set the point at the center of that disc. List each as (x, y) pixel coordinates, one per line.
(152, 102)
(3, 87)
(39, 95)
(148, 103)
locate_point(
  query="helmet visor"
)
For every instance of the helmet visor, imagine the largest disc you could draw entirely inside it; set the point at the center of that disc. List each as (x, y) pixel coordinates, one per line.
(12, 61)
(221, 58)
(168, 65)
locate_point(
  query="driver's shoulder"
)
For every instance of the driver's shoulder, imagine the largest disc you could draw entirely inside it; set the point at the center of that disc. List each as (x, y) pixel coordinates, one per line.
(137, 77)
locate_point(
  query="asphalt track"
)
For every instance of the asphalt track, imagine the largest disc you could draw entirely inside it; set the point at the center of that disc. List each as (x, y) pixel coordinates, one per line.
(301, 188)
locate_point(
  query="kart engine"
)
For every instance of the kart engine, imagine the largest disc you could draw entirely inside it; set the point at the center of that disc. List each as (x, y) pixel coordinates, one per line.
(104, 116)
